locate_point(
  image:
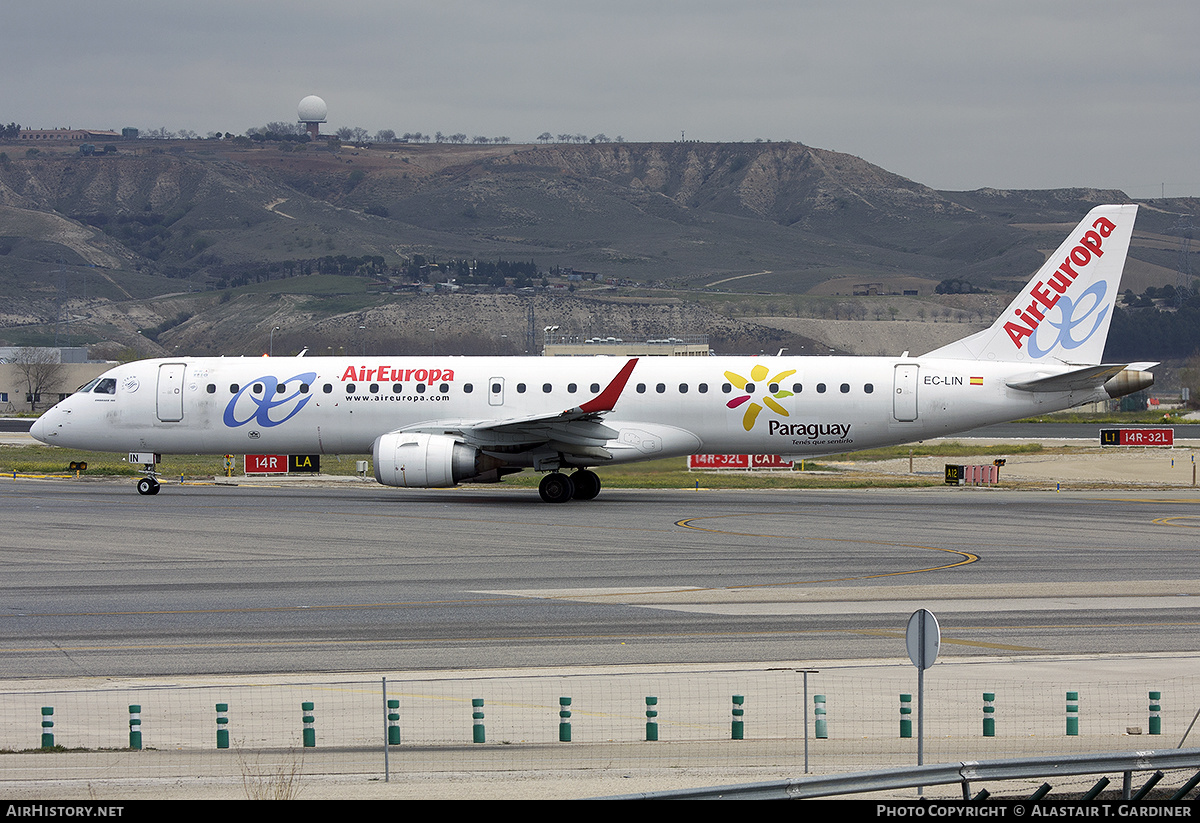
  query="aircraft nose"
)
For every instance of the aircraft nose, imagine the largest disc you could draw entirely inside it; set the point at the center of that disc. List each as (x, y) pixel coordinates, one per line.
(43, 428)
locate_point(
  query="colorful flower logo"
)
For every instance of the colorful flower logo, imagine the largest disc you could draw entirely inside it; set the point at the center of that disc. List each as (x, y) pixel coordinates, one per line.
(756, 375)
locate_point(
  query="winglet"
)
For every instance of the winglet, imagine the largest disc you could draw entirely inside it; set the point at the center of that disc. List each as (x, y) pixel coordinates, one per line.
(607, 399)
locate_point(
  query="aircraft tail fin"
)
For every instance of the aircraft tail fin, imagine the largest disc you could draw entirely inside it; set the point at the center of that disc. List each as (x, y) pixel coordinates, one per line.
(1062, 315)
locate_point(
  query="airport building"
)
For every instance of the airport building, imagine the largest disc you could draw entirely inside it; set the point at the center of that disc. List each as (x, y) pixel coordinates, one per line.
(53, 372)
(571, 346)
(66, 135)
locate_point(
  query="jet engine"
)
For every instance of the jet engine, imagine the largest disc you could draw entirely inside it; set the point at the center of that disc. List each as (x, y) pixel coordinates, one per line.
(430, 461)
(1127, 382)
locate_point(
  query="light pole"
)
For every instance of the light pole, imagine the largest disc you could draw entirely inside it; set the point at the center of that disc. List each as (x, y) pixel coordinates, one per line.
(271, 348)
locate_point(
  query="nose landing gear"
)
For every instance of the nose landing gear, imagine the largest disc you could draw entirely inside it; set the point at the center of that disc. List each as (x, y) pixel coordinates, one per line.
(149, 483)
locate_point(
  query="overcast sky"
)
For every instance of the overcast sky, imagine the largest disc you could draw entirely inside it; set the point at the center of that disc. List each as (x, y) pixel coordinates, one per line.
(957, 95)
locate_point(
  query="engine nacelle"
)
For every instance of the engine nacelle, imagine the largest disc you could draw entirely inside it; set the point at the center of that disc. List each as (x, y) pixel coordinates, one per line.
(427, 461)
(1127, 382)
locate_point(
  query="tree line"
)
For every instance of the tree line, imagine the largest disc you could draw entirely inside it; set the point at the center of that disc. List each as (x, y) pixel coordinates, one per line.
(1153, 334)
(280, 131)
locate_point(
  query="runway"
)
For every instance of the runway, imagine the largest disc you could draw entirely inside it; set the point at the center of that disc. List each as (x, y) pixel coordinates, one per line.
(99, 581)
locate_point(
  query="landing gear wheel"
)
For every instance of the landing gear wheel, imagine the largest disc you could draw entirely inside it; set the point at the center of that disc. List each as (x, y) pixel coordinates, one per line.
(556, 488)
(587, 484)
(147, 485)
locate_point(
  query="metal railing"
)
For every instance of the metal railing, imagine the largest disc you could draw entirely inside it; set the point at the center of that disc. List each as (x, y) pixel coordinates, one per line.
(943, 774)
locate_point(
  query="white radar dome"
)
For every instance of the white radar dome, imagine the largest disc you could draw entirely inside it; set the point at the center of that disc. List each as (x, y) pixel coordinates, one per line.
(313, 109)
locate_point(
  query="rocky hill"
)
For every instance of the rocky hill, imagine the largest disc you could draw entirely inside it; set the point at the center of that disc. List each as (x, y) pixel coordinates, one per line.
(213, 244)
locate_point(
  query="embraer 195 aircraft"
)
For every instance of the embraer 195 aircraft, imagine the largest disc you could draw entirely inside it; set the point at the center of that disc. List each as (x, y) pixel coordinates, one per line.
(433, 422)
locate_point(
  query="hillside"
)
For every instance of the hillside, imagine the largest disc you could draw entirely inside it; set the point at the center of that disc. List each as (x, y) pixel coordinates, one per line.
(680, 236)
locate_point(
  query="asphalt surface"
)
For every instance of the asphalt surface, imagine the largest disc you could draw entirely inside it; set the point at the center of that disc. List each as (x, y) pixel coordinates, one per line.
(99, 581)
(264, 585)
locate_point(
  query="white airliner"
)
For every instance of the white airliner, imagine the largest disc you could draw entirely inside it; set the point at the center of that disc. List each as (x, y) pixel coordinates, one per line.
(434, 421)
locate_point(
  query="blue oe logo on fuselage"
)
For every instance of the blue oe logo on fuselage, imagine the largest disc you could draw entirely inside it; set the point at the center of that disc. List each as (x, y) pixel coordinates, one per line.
(260, 397)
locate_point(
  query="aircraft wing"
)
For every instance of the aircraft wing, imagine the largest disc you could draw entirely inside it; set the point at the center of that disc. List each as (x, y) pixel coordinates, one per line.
(576, 432)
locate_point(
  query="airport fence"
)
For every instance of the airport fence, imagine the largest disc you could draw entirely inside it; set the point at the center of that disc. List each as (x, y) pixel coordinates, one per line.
(738, 720)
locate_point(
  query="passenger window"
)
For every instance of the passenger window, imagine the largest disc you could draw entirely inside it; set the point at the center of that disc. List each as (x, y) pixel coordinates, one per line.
(520, 388)
(702, 388)
(546, 388)
(641, 388)
(774, 387)
(444, 387)
(797, 388)
(374, 388)
(820, 388)
(683, 388)
(304, 388)
(726, 388)
(420, 388)
(571, 388)
(281, 388)
(845, 388)
(233, 388)
(595, 388)
(349, 388)
(496, 387)
(467, 388)
(660, 388)
(397, 388)
(258, 388)
(211, 388)
(749, 388)
(870, 387)
(327, 388)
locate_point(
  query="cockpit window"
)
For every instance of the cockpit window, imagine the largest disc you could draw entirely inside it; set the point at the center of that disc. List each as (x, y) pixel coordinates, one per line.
(87, 387)
(106, 386)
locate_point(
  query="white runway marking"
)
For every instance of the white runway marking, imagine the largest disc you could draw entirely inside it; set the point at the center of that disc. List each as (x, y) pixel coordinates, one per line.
(682, 599)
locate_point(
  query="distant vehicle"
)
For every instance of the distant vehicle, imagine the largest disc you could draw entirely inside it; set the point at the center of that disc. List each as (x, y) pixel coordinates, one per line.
(438, 421)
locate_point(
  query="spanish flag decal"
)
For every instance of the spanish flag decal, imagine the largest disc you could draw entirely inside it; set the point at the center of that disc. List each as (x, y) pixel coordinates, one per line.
(976, 381)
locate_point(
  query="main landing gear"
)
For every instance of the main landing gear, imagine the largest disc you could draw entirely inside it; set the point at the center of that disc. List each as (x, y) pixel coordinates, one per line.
(557, 487)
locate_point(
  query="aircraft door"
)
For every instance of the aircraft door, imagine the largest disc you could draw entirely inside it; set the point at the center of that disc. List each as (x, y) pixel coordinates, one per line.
(904, 397)
(496, 391)
(170, 392)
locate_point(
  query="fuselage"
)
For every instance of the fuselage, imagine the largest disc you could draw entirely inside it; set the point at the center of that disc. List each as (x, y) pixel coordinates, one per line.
(669, 406)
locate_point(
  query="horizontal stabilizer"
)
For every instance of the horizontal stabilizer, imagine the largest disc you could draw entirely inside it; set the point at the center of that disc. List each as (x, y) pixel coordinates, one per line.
(1092, 377)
